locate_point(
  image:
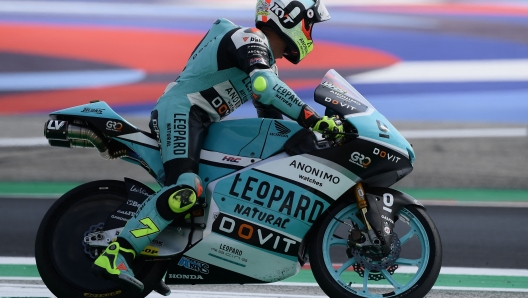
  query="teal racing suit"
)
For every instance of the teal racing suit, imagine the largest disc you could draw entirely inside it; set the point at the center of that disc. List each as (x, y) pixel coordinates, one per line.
(230, 66)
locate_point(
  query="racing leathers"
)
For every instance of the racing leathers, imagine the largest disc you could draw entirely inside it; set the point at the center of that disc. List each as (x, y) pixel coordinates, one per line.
(230, 66)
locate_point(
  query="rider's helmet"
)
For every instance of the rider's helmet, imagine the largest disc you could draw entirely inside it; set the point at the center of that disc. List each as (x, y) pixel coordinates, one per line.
(293, 21)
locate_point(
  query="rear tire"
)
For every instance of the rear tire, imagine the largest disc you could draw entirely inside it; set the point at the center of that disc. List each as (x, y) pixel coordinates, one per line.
(59, 252)
(419, 262)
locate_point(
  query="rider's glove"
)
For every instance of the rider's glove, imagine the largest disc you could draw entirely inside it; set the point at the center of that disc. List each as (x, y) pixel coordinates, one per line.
(329, 126)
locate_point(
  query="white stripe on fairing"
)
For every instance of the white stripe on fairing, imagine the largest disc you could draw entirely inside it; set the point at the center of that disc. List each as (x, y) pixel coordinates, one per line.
(139, 138)
(54, 80)
(507, 70)
(219, 158)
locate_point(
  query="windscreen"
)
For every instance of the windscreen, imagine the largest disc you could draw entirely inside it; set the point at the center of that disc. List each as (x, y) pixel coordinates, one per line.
(338, 81)
(340, 97)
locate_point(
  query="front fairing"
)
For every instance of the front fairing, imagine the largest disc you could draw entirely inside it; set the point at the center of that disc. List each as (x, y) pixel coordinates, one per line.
(342, 99)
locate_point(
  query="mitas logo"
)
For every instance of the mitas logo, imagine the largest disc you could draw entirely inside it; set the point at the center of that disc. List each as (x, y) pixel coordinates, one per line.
(194, 265)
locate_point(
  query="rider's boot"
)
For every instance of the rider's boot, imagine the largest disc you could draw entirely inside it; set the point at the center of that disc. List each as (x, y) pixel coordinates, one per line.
(114, 264)
(154, 215)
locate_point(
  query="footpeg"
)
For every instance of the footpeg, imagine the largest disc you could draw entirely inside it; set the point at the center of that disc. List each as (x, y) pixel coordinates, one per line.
(162, 288)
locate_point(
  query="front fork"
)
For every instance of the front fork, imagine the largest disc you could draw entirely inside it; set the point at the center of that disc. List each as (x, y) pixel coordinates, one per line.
(362, 206)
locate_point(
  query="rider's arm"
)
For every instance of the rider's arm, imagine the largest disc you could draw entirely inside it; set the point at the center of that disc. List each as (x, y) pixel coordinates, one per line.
(255, 58)
(264, 111)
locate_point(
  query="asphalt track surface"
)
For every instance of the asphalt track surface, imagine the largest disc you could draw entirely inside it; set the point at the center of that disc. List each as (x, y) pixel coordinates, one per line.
(477, 237)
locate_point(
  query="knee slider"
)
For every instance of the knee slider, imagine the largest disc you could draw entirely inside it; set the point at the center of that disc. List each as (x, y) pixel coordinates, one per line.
(182, 199)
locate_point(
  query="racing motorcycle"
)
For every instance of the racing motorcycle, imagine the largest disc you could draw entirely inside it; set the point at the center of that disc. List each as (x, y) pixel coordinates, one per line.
(277, 195)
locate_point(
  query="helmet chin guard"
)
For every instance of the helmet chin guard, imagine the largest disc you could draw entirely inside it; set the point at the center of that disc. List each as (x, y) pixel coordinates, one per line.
(293, 21)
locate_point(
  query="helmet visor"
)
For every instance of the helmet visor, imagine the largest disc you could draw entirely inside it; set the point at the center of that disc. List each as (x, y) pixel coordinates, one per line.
(321, 13)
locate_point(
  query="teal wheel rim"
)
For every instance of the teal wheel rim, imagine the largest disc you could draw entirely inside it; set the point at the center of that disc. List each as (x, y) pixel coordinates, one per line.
(411, 264)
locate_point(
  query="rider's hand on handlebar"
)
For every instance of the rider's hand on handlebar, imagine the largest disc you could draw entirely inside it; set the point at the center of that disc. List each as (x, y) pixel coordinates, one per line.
(330, 126)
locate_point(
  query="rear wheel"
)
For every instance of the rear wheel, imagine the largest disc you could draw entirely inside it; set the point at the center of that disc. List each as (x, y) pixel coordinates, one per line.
(63, 260)
(410, 270)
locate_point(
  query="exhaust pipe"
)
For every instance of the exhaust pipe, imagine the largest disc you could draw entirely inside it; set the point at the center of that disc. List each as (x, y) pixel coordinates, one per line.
(60, 133)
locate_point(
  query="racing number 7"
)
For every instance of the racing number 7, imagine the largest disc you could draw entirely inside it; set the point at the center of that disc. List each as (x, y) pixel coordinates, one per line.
(151, 228)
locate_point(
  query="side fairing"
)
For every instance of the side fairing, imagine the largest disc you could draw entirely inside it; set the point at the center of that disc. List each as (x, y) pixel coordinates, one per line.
(264, 212)
(374, 163)
(377, 129)
(255, 138)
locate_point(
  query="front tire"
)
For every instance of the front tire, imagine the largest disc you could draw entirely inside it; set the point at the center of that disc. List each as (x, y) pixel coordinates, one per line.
(418, 265)
(62, 262)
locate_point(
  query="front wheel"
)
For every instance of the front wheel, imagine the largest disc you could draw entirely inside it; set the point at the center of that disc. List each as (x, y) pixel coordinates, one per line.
(347, 272)
(64, 261)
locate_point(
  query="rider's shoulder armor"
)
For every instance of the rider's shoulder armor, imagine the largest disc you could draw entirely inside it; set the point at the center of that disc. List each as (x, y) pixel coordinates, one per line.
(227, 46)
(251, 49)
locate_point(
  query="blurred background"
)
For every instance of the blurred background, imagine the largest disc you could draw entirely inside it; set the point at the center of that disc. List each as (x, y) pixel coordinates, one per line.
(452, 76)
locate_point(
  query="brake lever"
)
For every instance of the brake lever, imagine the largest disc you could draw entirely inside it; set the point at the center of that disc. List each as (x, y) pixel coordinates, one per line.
(332, 136)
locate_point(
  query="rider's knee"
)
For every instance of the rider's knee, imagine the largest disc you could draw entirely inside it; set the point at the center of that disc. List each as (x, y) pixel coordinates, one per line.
(169, 204)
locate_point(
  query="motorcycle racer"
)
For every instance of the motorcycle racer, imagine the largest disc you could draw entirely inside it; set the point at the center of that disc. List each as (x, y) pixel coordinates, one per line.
(230, 66)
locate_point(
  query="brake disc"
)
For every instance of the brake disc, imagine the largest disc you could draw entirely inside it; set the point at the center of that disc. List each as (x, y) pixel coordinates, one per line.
(375, 267)
(92, 252)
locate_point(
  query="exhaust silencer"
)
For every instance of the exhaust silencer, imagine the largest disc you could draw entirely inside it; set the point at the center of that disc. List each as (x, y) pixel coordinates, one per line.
(60, 133)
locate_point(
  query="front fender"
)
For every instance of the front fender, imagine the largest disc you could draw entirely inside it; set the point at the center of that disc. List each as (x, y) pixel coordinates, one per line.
(383, 207)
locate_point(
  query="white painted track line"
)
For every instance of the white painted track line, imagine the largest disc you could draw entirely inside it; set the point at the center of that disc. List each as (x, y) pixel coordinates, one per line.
(507, 70)
(465, 133)
(403, 269)
(25, 290)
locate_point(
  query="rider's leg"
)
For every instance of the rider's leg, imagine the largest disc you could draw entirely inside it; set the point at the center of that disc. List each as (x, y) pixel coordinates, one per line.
(182, 187)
